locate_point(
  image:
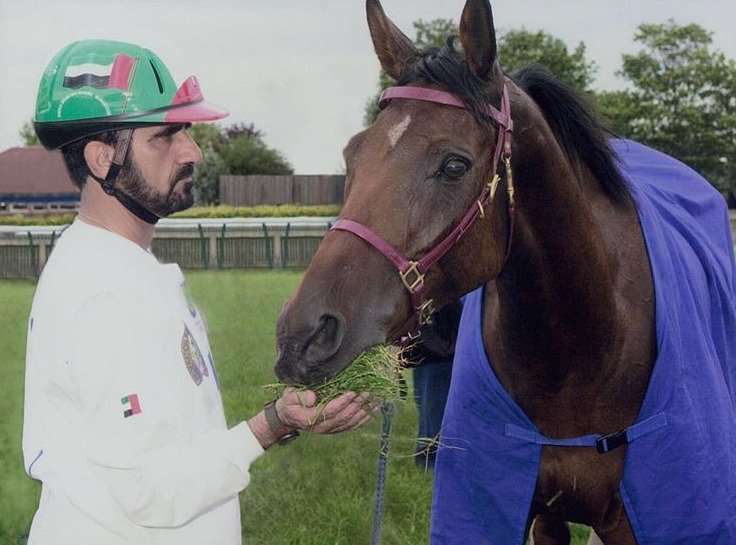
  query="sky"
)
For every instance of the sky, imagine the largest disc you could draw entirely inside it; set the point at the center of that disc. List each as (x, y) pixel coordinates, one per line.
(302, 70)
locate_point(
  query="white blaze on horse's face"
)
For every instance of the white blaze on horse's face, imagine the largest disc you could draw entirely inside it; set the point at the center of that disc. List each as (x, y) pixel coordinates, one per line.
(398, 130)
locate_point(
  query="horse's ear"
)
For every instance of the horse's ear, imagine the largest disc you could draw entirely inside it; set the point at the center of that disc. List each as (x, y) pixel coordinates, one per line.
(392, 46)
(478, 36)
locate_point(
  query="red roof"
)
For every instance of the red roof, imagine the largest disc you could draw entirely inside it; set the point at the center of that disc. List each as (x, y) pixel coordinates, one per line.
(34, 171)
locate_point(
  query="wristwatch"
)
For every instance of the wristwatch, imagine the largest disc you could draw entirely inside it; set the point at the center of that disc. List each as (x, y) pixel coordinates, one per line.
(277, 426)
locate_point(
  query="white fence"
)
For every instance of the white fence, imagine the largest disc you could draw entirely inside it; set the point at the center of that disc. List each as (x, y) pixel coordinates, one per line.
(193, 244)
(204, 244)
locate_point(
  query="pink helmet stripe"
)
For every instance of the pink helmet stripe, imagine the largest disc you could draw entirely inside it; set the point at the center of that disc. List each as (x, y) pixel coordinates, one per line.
(120, 74)
(189, 91)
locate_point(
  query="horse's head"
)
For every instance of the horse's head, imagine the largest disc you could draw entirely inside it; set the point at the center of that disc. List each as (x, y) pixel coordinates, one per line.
(422, 221)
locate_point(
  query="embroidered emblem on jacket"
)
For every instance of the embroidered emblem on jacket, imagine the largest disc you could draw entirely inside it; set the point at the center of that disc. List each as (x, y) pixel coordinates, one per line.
(131, 405)
(193, 357)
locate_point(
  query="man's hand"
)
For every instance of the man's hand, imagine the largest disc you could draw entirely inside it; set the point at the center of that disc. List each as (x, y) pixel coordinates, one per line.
(297, 410)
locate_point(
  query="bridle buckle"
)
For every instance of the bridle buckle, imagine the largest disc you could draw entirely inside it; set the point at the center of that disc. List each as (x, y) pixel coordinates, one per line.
(425, 311)
(418, 280)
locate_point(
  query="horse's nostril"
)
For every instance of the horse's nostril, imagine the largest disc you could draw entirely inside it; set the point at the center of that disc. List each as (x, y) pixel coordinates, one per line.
(326, 339)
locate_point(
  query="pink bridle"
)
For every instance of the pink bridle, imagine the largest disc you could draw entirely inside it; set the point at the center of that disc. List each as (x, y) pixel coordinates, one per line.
(412, 272)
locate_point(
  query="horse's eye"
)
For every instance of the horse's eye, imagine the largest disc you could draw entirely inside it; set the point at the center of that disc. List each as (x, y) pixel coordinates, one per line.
(454, 169)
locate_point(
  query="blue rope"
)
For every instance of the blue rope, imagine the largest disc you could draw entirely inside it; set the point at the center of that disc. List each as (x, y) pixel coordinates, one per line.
(387, 410)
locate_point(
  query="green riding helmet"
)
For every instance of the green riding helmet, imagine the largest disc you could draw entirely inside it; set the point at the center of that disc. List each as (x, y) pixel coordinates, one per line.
(93, 86)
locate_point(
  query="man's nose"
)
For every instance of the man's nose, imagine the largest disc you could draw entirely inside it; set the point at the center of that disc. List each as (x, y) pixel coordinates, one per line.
(189, 151)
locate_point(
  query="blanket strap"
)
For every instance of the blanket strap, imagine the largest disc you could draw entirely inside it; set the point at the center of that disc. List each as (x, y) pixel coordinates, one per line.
(602, 443)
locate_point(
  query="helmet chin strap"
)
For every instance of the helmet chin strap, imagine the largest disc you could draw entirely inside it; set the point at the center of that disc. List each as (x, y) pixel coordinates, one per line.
(108, 184)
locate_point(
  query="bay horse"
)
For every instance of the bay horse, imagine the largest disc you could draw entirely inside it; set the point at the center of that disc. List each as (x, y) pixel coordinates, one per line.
(511, 191)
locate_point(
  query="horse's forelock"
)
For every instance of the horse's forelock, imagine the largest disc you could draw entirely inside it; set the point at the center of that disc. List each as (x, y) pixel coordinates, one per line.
(447, 68)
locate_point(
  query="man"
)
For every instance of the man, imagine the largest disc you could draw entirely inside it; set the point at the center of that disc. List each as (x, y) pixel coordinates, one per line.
(123, 416)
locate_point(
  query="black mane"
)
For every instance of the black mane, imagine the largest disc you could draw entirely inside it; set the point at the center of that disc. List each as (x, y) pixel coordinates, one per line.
(572, 119)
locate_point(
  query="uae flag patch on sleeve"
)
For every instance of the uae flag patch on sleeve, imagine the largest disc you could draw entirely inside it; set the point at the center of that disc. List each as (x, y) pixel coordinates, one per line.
(131, 405)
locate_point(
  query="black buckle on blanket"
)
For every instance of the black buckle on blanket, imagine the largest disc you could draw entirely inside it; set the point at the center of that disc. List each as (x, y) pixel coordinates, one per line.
(607, 443)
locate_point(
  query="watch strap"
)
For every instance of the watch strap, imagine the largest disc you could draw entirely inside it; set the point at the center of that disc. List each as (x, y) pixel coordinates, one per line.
(283, 434)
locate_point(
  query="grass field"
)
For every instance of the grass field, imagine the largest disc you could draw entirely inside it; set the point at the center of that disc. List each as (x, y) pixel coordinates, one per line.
(315, 491)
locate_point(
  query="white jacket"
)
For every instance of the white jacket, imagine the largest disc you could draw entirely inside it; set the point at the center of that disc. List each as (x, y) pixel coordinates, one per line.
(123, 420)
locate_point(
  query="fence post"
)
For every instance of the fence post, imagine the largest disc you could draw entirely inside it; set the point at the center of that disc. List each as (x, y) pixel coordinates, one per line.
(33, 258)
(285, 253)
(50, 247)
(221, 245)
(269, 254)
(203, 247)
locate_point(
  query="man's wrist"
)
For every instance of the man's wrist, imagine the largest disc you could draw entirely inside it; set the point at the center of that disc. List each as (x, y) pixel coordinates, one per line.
(282, 433)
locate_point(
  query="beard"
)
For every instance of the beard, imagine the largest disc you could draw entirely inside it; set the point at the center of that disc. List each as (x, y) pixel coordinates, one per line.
(179, 196)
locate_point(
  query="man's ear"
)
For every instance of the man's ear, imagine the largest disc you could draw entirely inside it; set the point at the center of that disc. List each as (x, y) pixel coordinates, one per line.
(99, 157)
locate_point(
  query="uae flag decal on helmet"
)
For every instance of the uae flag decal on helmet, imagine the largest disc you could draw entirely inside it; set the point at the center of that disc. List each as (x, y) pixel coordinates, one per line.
(131, 405)
(100, 76)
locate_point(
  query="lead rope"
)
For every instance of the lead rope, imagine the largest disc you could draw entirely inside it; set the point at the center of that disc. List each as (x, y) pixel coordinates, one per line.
(387, 410)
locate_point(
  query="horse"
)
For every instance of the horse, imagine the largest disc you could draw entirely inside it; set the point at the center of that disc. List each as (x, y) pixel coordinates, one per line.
(563, 406)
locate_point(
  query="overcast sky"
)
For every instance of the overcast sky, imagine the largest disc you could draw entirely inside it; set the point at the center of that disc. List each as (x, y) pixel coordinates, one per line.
(302, 70)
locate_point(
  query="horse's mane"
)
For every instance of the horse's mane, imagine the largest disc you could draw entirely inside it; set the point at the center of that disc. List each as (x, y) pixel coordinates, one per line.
(576, 126)
(572, 119)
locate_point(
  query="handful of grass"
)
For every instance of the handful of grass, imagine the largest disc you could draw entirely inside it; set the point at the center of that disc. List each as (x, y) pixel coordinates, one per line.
(375, 371)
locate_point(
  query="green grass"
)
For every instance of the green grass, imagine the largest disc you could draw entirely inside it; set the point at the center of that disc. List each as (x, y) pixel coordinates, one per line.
(315, 491)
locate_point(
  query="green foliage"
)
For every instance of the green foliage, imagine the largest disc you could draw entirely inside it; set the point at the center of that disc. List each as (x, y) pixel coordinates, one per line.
(682, 100)
(236, 149)
(520, 48)
(222, 211)
(249, 155)
(207, 177)
(19, 219)
(28, 134)
(261, 211)
(516, 49)
(433, 33)
(207, 135)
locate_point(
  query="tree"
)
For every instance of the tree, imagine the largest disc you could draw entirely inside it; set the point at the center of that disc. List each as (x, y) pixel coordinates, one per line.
(28, 134)
(520, 48)
(516, 49)
(236, 149)
(682, 100)
(207, 178)
(433, 33)
(249, 155)
(207, 135)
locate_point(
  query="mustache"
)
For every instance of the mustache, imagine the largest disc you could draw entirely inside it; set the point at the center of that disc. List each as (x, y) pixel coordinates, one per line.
(186, 171)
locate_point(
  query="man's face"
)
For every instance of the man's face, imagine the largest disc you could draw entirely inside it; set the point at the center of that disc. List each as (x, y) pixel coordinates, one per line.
(159, 168)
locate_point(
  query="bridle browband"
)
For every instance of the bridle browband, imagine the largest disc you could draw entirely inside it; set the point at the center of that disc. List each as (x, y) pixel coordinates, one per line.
(412, 272)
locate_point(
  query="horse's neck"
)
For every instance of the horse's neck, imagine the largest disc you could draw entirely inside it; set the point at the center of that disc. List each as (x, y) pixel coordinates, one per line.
(574, 289)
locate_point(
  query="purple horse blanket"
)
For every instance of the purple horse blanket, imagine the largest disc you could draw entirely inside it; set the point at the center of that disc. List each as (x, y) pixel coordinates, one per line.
(679, 481)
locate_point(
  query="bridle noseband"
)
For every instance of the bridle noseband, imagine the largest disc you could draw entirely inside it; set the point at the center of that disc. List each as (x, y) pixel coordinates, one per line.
(412, 272)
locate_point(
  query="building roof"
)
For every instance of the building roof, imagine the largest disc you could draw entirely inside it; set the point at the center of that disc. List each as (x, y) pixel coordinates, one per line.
(34, 171)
